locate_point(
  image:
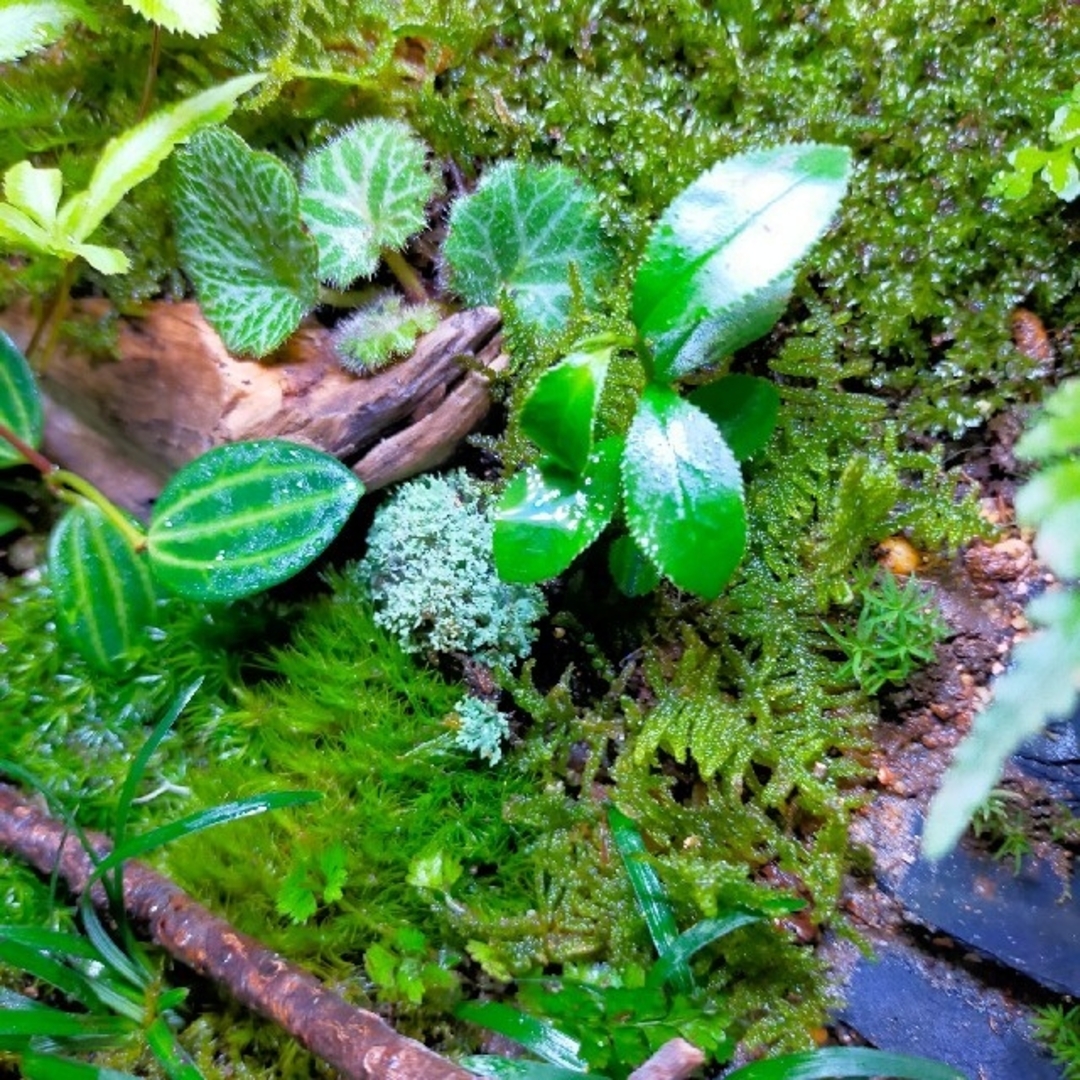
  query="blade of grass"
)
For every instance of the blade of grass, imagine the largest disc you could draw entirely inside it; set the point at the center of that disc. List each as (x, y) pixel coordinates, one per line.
(54, 1024)
(172, 1056)
(846, 1063)
(48, 1067)
(111, 954)
(694, 940)
(515, 1069)
(544, 1040)
(46, 969)
(651, 896)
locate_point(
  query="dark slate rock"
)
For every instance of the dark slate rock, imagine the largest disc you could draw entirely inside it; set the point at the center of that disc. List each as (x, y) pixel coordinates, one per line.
(909, 1003)
(1054, 758)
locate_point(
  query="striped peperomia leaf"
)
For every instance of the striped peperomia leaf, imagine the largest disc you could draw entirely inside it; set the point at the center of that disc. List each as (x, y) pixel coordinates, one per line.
(365, 191)
(103, 589)
(246, 516)
(20, 401)
(242, 242)
(519, 233)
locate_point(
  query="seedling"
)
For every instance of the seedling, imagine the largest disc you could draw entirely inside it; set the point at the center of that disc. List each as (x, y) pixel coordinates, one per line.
(717, 273)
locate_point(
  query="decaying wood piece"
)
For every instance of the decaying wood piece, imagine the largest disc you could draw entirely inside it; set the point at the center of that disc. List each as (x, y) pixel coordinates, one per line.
(677, 1059)
(175, 392)
(359, 1044)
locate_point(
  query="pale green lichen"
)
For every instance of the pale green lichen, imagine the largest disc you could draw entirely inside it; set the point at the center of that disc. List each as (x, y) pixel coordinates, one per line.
(481, 728)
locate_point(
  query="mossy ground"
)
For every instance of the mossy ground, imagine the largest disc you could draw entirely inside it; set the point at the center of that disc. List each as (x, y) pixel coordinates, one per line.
(729, 730)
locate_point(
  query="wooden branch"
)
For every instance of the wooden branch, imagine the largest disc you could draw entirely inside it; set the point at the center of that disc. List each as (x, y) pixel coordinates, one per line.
(359, 1044)
(175, 392)
(675, 1060)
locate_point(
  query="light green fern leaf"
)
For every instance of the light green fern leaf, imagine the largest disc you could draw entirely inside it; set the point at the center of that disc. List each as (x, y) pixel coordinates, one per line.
(519, 233)
(365, 191)
(241, 241)
(196, 17)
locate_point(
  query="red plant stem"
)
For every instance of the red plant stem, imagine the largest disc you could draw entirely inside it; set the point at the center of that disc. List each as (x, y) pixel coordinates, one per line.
(39, 461)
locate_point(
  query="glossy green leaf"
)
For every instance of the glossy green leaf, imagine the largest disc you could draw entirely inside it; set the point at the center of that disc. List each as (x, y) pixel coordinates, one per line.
(631, 571)
(560, 411)
(846, 1063)
(241, 241)
(50, 1067)
(10, 521)
(547, 517)
(103, 589)
(28, 26)
(1042, 684)
(652, 898)
(135, 155)
(365, 191)
(20, 401)
(718, 264)
(683, 493)
(744, 408)
(52, 1023)
(519, 1069)
(540, 1037)
(172, 1057)
(519, 233)
(246, 516)
(195, 17)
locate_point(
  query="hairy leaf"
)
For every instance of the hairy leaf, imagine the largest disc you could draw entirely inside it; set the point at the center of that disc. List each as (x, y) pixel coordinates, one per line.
(376, 334)
(683, 493)
(20, 401)
(196, 17)
(519, 233)
(135, 155)
(560, 411)
(547, 516)
(104, 593)
(718, 264)
(241, 241)
(365, 191)
(28, 26)
(246, 516)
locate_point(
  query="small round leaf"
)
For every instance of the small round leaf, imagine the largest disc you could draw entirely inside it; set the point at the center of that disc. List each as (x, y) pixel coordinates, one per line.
(246, 516)
(103, 589)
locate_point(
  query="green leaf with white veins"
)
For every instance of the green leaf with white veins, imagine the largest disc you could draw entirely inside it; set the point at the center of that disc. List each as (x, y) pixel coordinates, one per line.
(246, 516)
(135, 155)
(365, 191)
(241, 241)
(683, 493)
(725, 249)
(519, 232)
(195, 17)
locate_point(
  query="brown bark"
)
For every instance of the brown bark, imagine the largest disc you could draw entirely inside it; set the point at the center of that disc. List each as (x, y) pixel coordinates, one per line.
(359, 1044)
(175, 392)
(675, 1060)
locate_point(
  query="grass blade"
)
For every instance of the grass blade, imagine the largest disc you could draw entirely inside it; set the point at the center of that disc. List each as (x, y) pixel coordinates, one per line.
(48, 1067)
(46, 969)
(54, 1024)
(517, 1069)
(174, 1059)
(544, 1040)
(695, 939)
(846, 1063)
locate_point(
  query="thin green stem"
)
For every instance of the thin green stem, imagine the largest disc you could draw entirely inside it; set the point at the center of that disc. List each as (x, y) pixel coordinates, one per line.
(351, 299)
(66, 485)
(50, 319)
(407, 277)
(151, 75)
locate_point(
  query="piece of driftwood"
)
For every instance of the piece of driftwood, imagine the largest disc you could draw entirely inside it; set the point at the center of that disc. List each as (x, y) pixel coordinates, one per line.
(677, 1059)
(174, 392)
(359, 1044)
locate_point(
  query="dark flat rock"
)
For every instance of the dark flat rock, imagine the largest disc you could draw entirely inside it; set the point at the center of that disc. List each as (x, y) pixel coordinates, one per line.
(907, 1002)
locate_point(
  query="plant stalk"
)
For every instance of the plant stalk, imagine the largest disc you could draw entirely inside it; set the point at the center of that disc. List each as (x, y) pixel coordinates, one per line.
(151, 75)
(65, 484)
(51, 319)
(406, 276)
(33, 457)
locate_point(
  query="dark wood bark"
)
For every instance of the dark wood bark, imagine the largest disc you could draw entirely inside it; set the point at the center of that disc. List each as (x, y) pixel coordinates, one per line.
(174, 392)
(359, 1044)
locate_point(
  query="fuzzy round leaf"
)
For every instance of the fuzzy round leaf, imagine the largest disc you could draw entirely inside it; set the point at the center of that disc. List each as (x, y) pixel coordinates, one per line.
(20, 401)
(718, 264)
(560, 411)
(518, 233)
(744, 408)
(547, 517)
(246, 516)
(365, 191)
(683, 493)
(241, 241)
(103, 589)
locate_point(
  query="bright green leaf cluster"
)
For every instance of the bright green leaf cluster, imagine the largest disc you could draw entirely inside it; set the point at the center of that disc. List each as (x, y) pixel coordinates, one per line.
(313, 880)
(1057, 166)
(717, 272)
(1043, 683)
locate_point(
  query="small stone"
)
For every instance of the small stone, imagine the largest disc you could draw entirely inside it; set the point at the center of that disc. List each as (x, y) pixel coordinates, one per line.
(1018, 622)
(942, 710)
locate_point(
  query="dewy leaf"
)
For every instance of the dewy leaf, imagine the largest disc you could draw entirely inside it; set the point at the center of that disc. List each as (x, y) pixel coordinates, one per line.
(104, 593)
(241, 241)
(547, 517)
(196, 17)
(1042, 684)
(846, 1063)
(726, 247)
(27, 27)
(34, 191)
(246, 516)
(20, 401)
(683, 493)
(559, 413)
(365, 191)
(744, 408)
(519, 232)
(135, 155)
